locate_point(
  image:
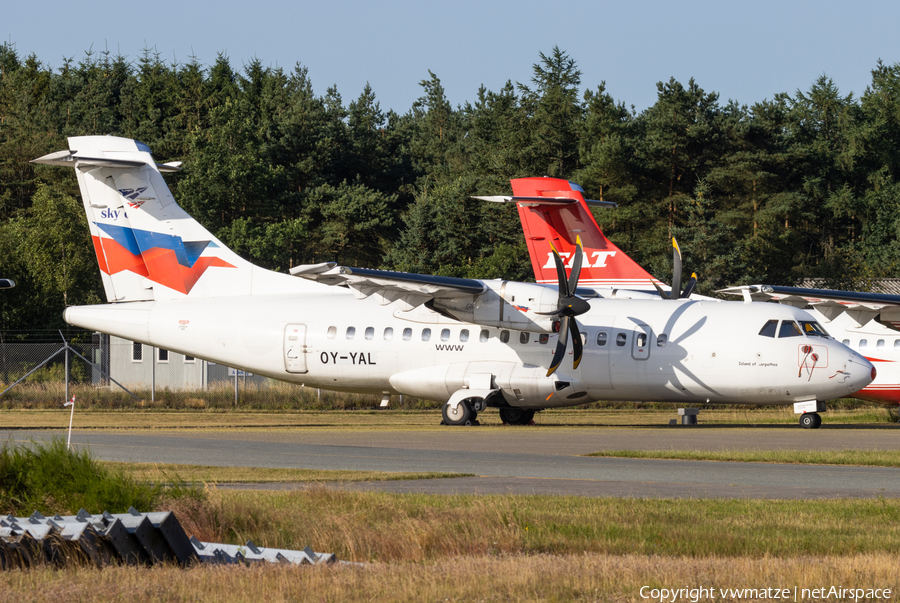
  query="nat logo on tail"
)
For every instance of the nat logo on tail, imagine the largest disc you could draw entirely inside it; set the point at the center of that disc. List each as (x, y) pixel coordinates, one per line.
(555, 211)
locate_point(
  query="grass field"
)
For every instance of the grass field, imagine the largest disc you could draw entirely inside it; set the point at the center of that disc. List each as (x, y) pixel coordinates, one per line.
(417, 547)
(503, 548)
(156, 473)
(235, 419)
(862, 458)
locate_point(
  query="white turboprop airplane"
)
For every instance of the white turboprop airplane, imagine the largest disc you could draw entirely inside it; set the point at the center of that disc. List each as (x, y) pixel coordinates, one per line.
(554, 214)
(469, 343)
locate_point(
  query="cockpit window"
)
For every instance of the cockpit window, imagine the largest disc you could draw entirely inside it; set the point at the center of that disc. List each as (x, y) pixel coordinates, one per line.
(813, 329)
(769, 329)
(789, 329)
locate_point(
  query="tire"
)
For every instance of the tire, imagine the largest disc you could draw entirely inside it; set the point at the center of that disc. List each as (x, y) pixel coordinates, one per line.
(818, 422)
(462, 416)
(516, 416)
(808, 420)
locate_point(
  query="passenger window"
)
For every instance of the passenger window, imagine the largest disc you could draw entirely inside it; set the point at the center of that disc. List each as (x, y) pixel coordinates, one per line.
(863, 343)
(332, 332)
(351, 332)
(504, 336)
(464, 335)
(407, 334)
(524, 336)
(388, 333)
(601, 338)
(370, 333)
(483, 336)
(661, 340)
(426, 334)
(769, 329)
(641, 340)
(879, 345)
(445, 335)
(583, 338)
(789, 329)
(896, 344)
(847, 343)
(543, 338)
(621, 339)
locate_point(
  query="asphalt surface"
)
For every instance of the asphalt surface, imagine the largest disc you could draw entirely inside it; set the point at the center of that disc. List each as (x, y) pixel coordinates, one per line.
(524, 460)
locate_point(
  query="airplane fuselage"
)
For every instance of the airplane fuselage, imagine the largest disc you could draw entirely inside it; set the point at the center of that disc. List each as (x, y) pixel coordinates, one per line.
(646, 350)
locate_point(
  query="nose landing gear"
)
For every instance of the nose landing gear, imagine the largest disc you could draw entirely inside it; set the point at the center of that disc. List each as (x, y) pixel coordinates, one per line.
(810, 420)
(809, 413)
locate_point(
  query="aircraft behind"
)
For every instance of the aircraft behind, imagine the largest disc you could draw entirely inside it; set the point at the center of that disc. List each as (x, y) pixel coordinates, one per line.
(554, 213)
(468, 343)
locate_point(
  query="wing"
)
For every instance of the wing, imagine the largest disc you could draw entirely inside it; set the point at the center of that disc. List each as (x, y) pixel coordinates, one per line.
(410, 290)
(861, 306)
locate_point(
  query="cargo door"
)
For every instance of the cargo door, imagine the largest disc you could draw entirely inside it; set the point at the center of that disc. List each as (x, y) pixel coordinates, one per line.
(295, 348)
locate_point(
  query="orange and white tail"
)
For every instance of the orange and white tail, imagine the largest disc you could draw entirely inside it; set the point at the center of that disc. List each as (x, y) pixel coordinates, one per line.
(555, 210)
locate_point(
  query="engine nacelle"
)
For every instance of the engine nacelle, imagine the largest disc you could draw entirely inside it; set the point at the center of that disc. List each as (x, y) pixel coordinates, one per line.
(507, 305)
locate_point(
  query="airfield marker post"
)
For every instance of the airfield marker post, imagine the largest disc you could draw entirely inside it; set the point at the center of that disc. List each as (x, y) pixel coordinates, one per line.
(71, 416)
(152, 374)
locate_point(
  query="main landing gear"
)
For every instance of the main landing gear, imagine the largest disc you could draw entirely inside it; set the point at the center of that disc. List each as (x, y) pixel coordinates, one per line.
(463, 413)
(516, 416)
(810, 420)
(466, 413)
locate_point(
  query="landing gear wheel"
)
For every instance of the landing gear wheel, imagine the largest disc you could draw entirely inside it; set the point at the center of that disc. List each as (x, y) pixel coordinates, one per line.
(462, 414)
(810, 420)
(516, 416)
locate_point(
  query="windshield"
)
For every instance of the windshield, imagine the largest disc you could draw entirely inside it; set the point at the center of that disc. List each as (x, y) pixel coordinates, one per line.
(813, 329)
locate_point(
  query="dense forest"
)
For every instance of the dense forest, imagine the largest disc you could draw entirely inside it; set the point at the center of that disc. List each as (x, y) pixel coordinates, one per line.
(800, 185)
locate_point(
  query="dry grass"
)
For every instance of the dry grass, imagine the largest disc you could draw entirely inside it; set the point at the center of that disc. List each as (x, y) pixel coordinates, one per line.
(572, 577)
(207, 474)
(238, 419)
(385, 527)
(863, 458)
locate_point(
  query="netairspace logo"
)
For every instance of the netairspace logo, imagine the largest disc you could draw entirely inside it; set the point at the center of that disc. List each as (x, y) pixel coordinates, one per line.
(694, 595)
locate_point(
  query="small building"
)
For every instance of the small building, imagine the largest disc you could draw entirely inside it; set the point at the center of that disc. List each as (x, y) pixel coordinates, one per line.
(138, 365)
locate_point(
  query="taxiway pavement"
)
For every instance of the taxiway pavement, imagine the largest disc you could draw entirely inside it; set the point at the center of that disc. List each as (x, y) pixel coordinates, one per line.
(522, 460)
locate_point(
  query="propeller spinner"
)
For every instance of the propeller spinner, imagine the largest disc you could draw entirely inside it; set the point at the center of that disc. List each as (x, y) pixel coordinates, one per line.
(568, 307)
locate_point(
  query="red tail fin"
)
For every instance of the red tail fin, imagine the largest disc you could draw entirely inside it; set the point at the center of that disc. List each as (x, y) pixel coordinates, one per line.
(560, 221)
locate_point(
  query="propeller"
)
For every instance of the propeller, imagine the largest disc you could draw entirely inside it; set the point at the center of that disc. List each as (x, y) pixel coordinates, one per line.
(568, 307)
(676, 278)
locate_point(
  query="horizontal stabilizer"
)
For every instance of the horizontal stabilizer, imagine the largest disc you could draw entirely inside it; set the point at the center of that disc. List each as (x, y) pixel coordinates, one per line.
(73, 159)
(536, 201)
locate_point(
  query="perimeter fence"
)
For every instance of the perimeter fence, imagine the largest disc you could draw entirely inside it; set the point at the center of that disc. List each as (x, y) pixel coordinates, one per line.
(44, 369)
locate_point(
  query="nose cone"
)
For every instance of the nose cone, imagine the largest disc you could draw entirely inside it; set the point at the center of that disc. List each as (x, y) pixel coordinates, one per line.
(862, 372)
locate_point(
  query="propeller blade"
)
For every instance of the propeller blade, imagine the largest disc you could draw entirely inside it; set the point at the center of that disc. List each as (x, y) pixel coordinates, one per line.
(560, 272)
(676, 269)
(659, 290)
(576, 266)
(577, 346)
(691, 285)
(560, 352)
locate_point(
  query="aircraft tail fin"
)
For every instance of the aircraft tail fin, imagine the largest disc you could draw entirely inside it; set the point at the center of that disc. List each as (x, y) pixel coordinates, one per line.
(147, 246)
(555, 210)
